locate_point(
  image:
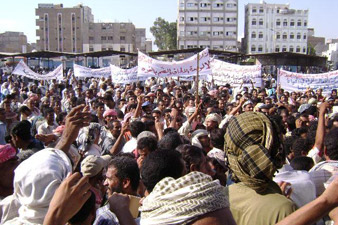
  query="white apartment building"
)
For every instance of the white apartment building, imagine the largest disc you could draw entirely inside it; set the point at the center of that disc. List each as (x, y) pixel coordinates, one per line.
(332, 54)
(207, 23)
(275, 28)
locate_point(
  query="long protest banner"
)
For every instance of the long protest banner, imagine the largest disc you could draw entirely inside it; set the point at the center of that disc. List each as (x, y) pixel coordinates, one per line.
(223, 73)
(23, 70)
(290, 81)
(149, 67)
(124, 76)
(81, 71)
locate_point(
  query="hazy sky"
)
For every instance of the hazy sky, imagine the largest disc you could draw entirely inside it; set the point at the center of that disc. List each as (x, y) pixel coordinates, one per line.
(19, 15)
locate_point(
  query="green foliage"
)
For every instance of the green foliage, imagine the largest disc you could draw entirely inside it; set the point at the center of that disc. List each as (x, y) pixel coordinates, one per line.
(165, 34)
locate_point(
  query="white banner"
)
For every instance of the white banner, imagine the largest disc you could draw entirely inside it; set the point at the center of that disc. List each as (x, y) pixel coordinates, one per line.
(81, 71)
(233, 74)
(290, 81)
(149, 67)
(23, 70)
(124, 76)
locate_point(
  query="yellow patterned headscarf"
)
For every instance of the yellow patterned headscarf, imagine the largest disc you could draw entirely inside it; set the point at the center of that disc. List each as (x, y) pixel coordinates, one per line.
(253, 148)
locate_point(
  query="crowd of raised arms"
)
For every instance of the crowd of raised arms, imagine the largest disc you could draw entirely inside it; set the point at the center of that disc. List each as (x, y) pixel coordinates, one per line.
(165, 151)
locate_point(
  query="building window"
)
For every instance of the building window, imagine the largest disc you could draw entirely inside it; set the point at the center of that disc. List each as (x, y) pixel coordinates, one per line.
(260, 21)
(260, 48)
(91, 38)
(261, 10)
(91, 49)
(190, 4)
(285, 23)
(260, 35)
(285, 36)
(298, 49)
(103, 38)
(299, 23)
(305, 23)
(253, 34)
(304, 37)
(204, 5)
(253, 48)
(218, 5)
(291, 49)
(254, 10)
(278, 36)
(292, 23)
(299, 36)
(110, 38)
(277, 49)
(278, 22)
(231, 5)
(254, 22)
(304, 50)
(284, 49)
(122, 38)
(122, 49)
(182, 18)
(292, 36)
(217, 19)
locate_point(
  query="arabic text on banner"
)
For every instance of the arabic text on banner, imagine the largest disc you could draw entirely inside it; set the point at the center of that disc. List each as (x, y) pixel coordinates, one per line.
(81, 71)
(124, 76)
(223, 73)
(149, 67)
(23, 70)
(290, 81)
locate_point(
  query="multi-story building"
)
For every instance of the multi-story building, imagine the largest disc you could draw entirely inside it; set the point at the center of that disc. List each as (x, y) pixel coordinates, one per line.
(61, 29)
(14, 42)
(332, 54)
(274, 28)
(207, 23)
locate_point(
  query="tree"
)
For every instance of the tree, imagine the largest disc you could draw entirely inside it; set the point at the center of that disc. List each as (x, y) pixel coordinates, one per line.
(165, 34)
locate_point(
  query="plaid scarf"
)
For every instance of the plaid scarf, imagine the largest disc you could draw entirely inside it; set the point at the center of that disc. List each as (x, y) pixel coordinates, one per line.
(252, 145)
(183, 200)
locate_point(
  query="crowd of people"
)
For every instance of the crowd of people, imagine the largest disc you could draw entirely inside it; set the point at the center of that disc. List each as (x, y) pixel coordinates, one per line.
(165, 151)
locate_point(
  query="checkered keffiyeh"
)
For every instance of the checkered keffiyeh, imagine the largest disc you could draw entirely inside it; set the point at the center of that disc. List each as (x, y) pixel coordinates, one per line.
(183, 200)
(250, 149)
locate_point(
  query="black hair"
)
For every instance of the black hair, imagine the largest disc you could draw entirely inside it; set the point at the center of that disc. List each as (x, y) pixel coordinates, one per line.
(331, 144)
(291, 122)
(85, 210)
(160, 164)
(300, 146)
(302, 163)
(217, 138)
(60, 117)
(22, 130)
(23, 109)
(47, 110)
(126, 167)
(147, 142)
(136, 127)
(170, 141)
(191, 155)
(288, 142)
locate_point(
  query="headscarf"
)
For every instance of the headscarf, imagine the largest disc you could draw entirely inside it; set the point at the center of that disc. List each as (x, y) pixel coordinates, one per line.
(195, 135)
(35, 182)
(183, 200)
(7, 152)
(214, 117)
(109, 112)
(252, 145)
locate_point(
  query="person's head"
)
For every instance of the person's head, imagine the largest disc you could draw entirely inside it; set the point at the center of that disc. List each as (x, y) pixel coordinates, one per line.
(109, 115)
(8, 163)
(156, 114)
(160, 164)
(115, 128)
(123, 175)
(194, 159)
(49, 115)
(108, 100)
(146, 145)
(136, 127)
(21, 134)
(302, 120)
(302, 163)
(248, 106)
(161, 105)
(99, 109)
(331, 144)
(217, 138)
(254, 149)
(212, 121)
(87, 214)
(170, 140)
(300, 147)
